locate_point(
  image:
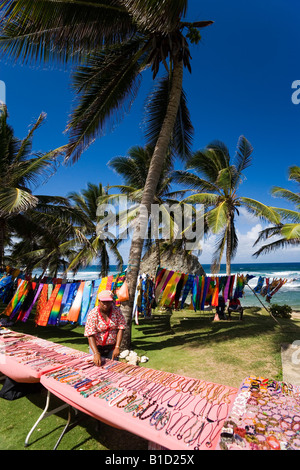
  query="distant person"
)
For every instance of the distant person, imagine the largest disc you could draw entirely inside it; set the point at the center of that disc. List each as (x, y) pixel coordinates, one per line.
(235, 306)
(220, 309)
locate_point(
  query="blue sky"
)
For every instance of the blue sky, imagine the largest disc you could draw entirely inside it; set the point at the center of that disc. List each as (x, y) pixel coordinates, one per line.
(241, 83)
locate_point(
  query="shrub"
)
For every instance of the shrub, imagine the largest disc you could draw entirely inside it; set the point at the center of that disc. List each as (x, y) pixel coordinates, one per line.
(283, 311)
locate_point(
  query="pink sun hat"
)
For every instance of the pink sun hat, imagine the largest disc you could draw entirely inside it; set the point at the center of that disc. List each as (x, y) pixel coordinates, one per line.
(106, 296)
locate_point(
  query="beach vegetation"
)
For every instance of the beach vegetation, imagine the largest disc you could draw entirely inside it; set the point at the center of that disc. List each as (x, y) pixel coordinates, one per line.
(283, 311)
(22, 170)
(89, 242)
(286, 233)
(214, 177)
(133, 169)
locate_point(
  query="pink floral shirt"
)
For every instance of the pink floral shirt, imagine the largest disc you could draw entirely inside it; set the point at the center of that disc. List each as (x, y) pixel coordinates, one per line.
(105, 332)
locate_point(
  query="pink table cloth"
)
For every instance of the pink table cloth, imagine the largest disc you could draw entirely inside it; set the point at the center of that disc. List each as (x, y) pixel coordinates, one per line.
(24, 358)
(178, 413)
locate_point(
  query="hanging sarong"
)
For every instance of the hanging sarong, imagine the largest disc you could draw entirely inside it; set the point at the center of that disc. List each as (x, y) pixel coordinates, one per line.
(95, 286)
(76, 306)
(85, 303)
(71, 295)
(205, 290)
(54, 314)
(170, 289)
(187, 288)
(226, 289)
(45, 313)
(179, 289)
(163, 283)
(42, 302)
(101, 286)
(195, 293)
(14, 301)
(137, 300)
(21, 300)
(169, 299)
(109, 283)
(159, 275)
(27, 300)
(6, 284)
(38, 290)
(215, 296)
(259, 285)
(232, 278)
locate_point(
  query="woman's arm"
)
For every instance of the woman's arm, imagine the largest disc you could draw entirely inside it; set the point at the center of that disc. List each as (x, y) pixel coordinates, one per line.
(93, 346)
(116, 351)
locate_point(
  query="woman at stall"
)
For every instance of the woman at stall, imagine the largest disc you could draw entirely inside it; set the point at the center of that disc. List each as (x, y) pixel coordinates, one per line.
(104, 328)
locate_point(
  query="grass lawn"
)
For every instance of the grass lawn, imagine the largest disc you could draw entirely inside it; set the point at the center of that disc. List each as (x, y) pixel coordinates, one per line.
(187, 343)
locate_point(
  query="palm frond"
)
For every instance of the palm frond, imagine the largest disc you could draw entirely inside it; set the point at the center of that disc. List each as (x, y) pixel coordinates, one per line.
(294, 173)
(286, 194)
(155, 112)
(47, 30)
(260, 210)
(107, 85)
(217, 217)
(278, 244)
(194, 182)
(243, 157)
(16, 200)
(291, 231)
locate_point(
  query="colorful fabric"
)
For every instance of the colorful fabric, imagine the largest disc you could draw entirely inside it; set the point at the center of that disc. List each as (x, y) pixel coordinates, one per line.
(37, 292)
(105, 332)
(68, 304)
(95, 287)
(45, 313)
(16, 298)
(74, 311)
(163, 283)
(187, 288)
(26, 300)
(259, 285)
(170, 290)
(41, 303)
(101, 286)
(85, 302)
(54, 314)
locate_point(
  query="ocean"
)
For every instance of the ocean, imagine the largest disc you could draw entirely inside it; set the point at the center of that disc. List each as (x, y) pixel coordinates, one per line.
(288, 294)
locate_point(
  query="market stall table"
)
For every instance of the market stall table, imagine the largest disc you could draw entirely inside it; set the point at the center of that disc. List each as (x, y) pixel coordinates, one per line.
(176, 412)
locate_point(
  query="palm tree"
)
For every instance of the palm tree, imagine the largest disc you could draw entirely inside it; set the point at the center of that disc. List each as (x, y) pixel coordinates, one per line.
(215, 178)
(134, 169)
(113, 41)
(44, 235)
(90, 243)
(288, 231)
(20, 170)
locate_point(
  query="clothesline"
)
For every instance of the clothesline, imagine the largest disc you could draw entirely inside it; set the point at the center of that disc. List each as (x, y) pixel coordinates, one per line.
(58, 301)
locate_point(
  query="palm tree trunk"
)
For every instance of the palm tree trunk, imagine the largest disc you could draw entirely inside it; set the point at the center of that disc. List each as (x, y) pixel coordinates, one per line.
(153, 176)
(228, 248)
(2, 242)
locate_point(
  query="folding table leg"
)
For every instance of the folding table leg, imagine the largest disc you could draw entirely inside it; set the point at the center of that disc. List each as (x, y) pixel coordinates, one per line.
(44, 415)
(65, 428)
